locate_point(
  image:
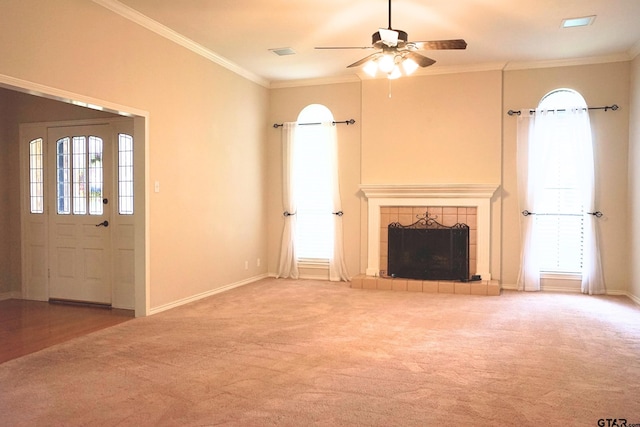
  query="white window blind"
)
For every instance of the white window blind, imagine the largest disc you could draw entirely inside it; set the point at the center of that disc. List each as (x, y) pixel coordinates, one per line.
(312, 175)
(559, 219)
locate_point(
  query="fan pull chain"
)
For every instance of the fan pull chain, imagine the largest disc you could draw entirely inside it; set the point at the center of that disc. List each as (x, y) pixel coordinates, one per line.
(389, 88)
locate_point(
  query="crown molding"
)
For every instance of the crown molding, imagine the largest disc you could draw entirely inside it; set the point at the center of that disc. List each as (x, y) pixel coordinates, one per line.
(351, 78)
(444, 69)
(360, 75)
(620, 57)
(456, 69)
(470, 68)
(164, 31)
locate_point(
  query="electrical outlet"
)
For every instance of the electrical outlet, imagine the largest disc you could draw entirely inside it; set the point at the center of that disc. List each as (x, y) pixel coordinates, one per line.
(246, 265)
(258, 262)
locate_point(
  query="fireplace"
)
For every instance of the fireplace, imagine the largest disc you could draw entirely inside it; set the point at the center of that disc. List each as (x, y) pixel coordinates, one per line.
(428, 250)
(470, 202)
(431, 217)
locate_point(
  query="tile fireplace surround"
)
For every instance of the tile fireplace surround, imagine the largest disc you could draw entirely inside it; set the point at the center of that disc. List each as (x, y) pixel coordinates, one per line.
(477, 196)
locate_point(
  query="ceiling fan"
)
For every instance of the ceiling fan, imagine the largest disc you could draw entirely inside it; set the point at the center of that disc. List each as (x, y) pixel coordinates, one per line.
(396, 51)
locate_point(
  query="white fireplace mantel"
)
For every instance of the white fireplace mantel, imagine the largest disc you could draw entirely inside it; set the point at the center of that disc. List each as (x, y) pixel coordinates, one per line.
(470, 195)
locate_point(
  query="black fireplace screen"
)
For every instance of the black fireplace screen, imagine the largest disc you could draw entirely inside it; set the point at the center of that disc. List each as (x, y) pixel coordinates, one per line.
(428, 250)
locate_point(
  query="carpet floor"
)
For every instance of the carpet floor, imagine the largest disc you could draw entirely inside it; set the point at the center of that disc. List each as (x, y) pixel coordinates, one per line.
(293, 353)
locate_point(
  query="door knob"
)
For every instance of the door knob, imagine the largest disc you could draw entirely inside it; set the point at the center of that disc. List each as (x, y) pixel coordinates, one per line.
(104, 223)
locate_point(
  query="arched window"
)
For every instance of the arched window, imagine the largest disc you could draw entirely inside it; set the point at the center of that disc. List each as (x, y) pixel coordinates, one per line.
(312, 175)
(560, 223)
(556, 186)
(312, 214)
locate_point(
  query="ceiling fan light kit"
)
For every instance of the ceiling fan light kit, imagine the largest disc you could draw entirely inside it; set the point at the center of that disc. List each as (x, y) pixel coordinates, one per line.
(409, 66)
(386, 62)
(396, 54)
(391, 64)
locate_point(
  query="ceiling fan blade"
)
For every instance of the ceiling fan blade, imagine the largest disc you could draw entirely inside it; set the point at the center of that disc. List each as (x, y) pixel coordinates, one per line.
(364, 60)
(394, 43)
(422, 61)
(441, 44)
(343, 47)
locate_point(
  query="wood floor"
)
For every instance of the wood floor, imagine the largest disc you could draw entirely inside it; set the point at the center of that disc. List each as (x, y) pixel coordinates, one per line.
(30, 326)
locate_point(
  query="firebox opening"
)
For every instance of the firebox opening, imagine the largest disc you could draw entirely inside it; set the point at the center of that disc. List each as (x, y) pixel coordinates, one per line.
(428, 250)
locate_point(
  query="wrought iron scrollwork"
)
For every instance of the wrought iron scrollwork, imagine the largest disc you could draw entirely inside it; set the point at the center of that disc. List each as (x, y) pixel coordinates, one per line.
(426, 221)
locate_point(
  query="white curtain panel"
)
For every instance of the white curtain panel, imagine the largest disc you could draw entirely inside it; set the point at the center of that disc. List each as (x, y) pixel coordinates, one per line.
(288, 265)
(529, 274)
(534, 142)
(592, 276)
(337, 266)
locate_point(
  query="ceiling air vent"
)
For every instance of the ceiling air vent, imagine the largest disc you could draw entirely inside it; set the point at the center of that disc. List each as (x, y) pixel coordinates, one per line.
(283, 51)
(578, 22)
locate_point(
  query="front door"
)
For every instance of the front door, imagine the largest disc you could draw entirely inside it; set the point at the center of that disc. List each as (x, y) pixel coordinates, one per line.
(79, 192)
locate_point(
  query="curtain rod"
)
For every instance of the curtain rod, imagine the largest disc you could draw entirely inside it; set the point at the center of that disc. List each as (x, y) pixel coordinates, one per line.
(597, 214)
(613, 107)
(347, 122)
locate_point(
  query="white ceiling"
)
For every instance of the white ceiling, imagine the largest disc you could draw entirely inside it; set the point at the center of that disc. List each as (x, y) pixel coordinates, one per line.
(499, 33)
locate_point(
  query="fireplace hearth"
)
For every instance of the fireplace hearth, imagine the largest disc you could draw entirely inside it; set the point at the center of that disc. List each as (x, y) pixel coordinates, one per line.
(428, 250)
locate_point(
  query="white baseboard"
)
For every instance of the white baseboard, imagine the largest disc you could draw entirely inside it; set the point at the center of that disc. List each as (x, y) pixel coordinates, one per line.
(560, 288)
(324, 277)
(572, 289)
(321, 277)
(310, 274)
(183, 301)
(554, 287)
(633, 298)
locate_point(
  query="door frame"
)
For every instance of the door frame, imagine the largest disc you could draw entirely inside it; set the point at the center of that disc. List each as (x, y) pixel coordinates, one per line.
(141, 171)
(36, 240)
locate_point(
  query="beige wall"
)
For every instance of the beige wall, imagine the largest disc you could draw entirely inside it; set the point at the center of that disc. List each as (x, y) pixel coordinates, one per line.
(17, 108)
(634, 181)
(602, 84)
(433, 129)
(344, 102)
(207, 128)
